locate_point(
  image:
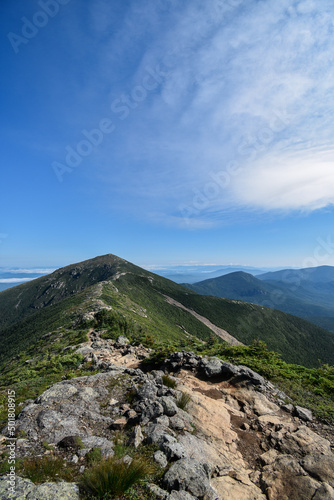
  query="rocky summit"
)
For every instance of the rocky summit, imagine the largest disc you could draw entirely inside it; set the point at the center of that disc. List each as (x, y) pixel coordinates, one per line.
(213, 429)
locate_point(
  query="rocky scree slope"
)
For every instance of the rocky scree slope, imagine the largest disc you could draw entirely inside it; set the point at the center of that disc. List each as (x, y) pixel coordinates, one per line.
(239, 438)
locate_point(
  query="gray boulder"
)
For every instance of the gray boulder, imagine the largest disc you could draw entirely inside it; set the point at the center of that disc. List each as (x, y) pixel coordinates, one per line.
(122, 341)
(22, 488)
(190, 475)
(50, 491)
(212, 367)
(147, 391)
(159, 493)
(248, 375)
(103, 444)
(169, 407)
(160, 458)
(148, 410)
(229, 370)
(61, 391)
(303, 413)
(158, 434)
(173, 451)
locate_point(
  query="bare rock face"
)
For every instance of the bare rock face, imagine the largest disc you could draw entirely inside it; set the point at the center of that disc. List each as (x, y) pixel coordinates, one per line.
(285, 479)
(235, 441)
(237, 488)
(303, 442)
(320, 467)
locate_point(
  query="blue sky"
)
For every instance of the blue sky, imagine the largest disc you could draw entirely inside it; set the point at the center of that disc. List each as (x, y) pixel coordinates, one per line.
(167, 132)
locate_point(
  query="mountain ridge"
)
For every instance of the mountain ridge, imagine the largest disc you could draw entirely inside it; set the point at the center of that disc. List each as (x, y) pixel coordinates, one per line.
(34, 308)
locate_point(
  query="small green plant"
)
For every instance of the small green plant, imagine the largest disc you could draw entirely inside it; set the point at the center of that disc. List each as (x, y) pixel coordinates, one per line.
(47, 446)
(78, 442)
(168, 381)
(112, 477)
(183, 401)
(194, 428)
(94, 455)
(121, 448)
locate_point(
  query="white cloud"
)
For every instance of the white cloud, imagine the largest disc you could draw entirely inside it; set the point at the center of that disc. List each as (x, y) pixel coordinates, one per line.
(300, 182)
(15, 280)
(32, 271)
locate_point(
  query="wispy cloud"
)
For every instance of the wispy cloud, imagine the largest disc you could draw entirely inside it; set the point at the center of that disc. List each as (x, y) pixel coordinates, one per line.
(269, 59)
(234, 68)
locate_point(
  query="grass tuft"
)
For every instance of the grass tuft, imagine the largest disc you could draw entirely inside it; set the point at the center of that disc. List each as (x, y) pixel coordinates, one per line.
(46, 468)
(112, 477)
(169, 381)
(183, 401)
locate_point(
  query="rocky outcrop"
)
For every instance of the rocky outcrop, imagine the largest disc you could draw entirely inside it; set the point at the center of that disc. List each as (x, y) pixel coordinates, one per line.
(236, 441)
(26, 489)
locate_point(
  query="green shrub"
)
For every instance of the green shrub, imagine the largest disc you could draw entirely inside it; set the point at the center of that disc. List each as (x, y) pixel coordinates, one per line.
(158, 356)
(112, 477)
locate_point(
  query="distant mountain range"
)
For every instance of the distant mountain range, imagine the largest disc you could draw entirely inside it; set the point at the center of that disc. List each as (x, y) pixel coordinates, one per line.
(151, 305)
(192, 274)
(307, 293)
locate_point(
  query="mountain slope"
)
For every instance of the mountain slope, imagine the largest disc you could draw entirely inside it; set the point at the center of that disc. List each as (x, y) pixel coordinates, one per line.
(137, 301)
(309, 300)
(237, 285)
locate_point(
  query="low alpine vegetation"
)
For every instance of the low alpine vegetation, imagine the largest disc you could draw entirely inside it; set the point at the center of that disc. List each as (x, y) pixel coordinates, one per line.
(183, 401)
(111, 477)
(169, 381)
